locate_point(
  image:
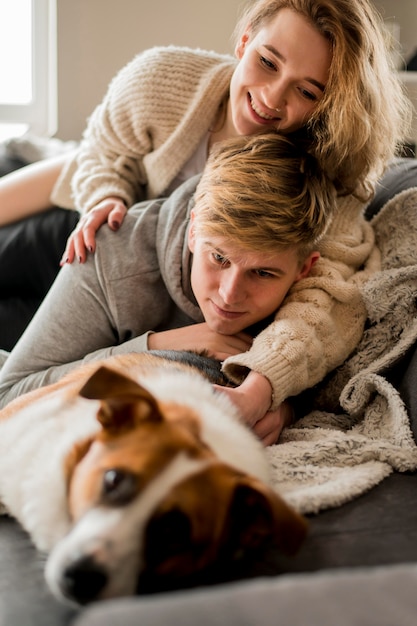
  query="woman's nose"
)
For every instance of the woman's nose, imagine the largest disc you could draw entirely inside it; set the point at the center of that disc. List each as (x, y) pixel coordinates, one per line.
(275, 94)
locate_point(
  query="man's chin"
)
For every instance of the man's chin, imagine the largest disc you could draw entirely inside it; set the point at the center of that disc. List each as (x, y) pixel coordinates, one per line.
(225, 328)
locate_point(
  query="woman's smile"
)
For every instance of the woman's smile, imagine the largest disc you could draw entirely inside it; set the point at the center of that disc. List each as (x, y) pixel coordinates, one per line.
(261, 115)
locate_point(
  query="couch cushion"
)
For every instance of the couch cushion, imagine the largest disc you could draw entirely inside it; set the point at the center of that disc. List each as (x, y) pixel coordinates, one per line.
(24, 597)
(377, 529)
(360, 597)
(400, 175)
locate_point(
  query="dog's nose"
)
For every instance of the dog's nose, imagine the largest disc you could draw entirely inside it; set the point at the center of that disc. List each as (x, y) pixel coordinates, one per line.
(83, 580)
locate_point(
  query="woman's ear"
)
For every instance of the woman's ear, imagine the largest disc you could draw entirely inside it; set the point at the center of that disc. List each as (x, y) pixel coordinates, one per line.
(241, 44)
(307, 265)
(191, 232)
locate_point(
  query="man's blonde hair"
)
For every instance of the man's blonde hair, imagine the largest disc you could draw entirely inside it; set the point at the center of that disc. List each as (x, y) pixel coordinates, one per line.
(265, 193)
(364, 114)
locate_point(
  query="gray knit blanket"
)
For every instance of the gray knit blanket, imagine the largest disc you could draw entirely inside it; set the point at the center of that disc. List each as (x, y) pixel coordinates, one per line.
(331, 456)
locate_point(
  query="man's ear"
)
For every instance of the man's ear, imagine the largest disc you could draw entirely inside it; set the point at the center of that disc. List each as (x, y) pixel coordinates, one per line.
(241, 44)
(307, 265)
(191, 232)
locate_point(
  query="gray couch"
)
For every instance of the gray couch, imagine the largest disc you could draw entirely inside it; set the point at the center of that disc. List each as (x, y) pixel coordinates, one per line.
(358, 565)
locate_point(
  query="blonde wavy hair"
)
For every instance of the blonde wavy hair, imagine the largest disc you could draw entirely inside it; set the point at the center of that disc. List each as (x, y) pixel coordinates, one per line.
(265, 193)
(364, 114)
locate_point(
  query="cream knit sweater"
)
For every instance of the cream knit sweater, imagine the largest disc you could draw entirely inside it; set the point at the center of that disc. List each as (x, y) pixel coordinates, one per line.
(156, 111)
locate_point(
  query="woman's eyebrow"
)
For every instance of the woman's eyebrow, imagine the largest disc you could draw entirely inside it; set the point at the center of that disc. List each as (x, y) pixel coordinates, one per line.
(282, 58)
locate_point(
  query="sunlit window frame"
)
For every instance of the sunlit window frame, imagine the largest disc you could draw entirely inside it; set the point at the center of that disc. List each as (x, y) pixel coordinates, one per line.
(40, 115)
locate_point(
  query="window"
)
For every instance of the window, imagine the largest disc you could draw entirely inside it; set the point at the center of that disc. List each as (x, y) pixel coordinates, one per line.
(28, 67)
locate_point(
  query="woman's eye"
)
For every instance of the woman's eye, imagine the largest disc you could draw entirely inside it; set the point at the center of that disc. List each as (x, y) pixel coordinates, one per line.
(267, 63)
(308, 95)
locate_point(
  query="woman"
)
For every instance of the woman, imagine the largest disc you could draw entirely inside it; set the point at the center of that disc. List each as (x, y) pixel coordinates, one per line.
(319, 65)
(318, 68)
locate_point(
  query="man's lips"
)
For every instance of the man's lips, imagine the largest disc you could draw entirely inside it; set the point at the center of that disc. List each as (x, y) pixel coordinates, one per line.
(225, 314)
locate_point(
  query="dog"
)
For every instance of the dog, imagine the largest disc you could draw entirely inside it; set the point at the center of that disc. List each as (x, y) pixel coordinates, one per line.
(134, 474)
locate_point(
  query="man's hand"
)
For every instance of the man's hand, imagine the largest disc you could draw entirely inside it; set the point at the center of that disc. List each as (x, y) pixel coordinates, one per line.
(199, 337)
(83, 239)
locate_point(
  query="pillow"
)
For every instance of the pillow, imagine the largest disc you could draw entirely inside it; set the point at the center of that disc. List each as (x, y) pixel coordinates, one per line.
(8, 163)
(401, 174)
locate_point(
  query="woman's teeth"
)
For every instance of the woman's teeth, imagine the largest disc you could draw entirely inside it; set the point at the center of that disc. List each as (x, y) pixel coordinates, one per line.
(264, 116)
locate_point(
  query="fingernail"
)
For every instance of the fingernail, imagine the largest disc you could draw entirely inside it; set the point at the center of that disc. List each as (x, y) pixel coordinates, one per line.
(90, 248)
(115, 225)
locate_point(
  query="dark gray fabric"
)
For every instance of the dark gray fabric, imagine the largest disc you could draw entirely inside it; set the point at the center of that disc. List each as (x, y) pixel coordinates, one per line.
(24, 597)
(400, 175)
(383, 597)
(30, 252)
(9, 164)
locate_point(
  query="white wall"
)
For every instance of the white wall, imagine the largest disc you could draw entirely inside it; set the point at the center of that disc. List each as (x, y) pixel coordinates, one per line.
(97, 37)
(404, 13)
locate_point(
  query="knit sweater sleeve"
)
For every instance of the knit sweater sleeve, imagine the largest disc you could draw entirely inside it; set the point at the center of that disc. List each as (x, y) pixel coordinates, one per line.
(155, 112)
(322, 318)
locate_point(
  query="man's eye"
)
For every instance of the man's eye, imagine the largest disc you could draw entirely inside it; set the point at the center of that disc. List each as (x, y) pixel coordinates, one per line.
(264, 274)
(218, 258)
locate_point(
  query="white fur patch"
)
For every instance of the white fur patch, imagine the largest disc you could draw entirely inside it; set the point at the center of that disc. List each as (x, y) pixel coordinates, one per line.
(223, 431)
(33, 447)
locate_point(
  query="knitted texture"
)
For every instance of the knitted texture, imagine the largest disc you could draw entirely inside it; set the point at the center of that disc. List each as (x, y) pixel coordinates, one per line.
(360, 431)
(156, 111)
(322, 319)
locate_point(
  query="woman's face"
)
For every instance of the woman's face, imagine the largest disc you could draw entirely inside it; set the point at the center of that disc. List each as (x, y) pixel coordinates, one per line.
(281, 75)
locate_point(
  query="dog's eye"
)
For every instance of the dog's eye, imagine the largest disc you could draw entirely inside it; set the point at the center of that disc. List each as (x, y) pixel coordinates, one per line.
(119, 487)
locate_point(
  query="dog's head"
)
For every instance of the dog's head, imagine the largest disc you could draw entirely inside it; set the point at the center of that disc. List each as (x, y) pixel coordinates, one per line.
(152, 505)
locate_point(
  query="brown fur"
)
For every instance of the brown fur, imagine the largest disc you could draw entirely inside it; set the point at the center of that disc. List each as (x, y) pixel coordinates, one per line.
(215, 514)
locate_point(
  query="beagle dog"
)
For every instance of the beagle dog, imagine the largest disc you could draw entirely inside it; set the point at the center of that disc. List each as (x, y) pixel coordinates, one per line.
(134, 474)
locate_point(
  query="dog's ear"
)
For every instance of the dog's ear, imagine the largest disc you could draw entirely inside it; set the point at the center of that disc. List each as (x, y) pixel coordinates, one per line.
(123, 401)
(260, 517)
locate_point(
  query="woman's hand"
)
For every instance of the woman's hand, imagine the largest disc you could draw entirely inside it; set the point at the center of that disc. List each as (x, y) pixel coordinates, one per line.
(83, 239)
(199, 337)
(253, 399)
(269, 427)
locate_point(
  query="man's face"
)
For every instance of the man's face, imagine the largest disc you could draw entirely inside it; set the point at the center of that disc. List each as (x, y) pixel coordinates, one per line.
(235, 288)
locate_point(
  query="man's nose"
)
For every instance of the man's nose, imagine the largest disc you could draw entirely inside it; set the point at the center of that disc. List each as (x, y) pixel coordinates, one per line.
(231, 287)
